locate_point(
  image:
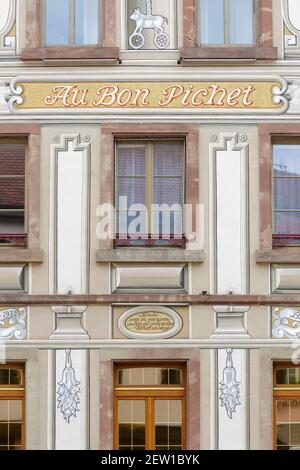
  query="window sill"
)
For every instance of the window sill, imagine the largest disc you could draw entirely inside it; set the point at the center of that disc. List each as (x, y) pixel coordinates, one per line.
(82, 53)
(149, 255)
(20, 255)
(149, 241)
(289, 255)
(228, 53)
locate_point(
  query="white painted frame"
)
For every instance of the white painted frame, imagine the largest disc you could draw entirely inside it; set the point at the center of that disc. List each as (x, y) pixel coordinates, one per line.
(60, 144)
(231, 141)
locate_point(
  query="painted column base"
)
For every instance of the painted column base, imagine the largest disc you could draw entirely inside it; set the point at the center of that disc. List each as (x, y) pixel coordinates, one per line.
(69, 324)
(230, 323)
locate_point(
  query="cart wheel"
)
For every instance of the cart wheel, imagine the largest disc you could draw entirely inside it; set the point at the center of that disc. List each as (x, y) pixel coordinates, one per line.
(136, 41)
(162, 41)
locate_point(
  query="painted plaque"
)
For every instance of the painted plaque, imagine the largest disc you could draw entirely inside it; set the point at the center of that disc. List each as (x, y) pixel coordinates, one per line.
(147, 323)
(205, 96)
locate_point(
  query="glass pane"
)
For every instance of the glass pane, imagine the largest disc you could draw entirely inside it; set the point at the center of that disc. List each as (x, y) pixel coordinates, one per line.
(211, 20)
(12, 193)
(295, 435)
(11, 423)
(175, 377)
(57, 22)
(132, 161)
(15, 377)
(12, 223)
(4, 376)
(287, 223)
(15, 434)
(124, 377)
(167, 159)
(287, 193)
(282, 376)
(132, 188)
(294, 376)
(133, 222)
(286, 160)
(86, 22)
(150, 376)
(4, 410)
(290, 376)
(4, 434)
(132, 428)
(12, 159)
(168, 424)
(283, 434)
(283, 411)
(241, 21)
(168, 222)
(167, 191)
(15, 411)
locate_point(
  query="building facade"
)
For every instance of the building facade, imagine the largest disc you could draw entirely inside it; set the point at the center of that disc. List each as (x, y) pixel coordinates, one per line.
(149, 224)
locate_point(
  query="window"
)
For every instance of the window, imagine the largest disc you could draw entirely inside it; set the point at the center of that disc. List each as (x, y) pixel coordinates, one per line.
(150, 407)
(12, 407)
(151, 24)
(226, 22)
(72, 22)
(150, 191)
(286, 407)
(12, 192)
(286, 188)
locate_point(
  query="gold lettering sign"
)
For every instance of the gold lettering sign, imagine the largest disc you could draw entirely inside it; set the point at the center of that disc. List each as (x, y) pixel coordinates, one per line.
(209, 95)
(150, 323)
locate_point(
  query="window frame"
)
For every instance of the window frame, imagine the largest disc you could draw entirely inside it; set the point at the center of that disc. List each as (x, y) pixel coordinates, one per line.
(279, 240)
(18, 239)
(72, 22)
(268, 252)
(35, 49)
(150, 394)
(261, 49)
(282, 392)
(227, 16)
(150, 239)
(16, 392)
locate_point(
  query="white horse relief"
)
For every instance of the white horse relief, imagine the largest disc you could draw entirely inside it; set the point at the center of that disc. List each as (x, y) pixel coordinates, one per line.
(148, 21)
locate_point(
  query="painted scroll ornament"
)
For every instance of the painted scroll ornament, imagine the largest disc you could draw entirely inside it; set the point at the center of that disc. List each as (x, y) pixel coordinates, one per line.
(69, 391)
(229, 387)
(286, 323)
(13, 323)
(149, 21)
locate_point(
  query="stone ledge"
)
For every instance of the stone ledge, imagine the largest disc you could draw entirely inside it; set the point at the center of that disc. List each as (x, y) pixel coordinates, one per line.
(149, 255)
(82, 53)
(228, 53)
(279, 255)
(20, 255)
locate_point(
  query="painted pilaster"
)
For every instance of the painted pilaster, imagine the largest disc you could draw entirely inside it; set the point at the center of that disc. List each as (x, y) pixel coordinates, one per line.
(69, 273)
(229, 275)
